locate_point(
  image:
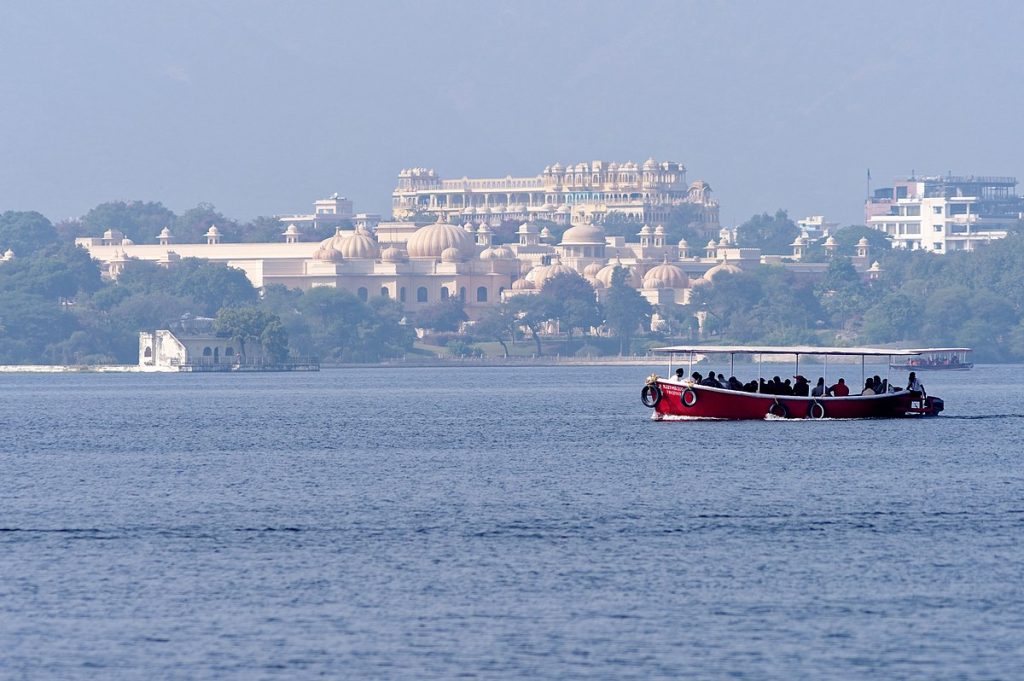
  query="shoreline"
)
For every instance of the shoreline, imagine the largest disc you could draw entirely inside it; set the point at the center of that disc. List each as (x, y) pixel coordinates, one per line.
(528, 362)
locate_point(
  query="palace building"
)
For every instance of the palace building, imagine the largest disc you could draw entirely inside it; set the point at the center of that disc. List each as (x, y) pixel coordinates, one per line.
(584, 192)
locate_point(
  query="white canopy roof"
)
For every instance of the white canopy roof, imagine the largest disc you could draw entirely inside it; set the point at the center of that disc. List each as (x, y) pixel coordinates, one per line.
(925, 351)
(786, 350)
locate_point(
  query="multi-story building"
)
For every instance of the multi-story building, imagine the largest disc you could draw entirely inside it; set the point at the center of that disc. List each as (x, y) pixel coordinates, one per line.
(945, 214)
(580, 193)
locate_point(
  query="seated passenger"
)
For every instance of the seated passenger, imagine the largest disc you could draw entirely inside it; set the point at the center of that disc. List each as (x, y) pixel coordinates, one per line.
(787, 388)
(680, 376)
(711, 381)
(914, 385)
(840, 389)
(869, 388)
(777, 386)
(764, 387)
(734, 384)
(819, 389)
(801, 387)
(695, 378)
(722, 382)
(876, 384)
(750, 387)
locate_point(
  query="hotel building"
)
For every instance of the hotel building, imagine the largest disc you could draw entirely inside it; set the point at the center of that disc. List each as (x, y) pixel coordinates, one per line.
(945, 214)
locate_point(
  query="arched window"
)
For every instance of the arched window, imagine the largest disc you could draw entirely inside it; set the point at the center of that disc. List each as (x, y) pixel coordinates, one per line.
(363, 294)
(421, 294)
(444, 293)
(462, 294)
(207, 351)
(401, 294)
(229, 351)
(148, 352)
(481, 294)
(384, 292)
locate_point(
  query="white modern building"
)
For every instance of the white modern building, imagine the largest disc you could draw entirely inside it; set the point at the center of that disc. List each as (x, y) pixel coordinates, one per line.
(943, 214)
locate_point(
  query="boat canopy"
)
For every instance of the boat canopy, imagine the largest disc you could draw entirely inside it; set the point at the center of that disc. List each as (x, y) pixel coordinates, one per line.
(789, 350)
(928, 351)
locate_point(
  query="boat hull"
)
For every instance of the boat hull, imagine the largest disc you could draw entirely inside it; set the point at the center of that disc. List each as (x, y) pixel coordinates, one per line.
(679, 400)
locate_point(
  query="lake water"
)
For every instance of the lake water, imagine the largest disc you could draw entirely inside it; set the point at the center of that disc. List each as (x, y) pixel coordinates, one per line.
(500, 523)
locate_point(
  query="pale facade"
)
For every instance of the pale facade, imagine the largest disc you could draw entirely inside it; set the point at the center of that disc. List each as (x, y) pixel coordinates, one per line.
(582, 192)
(166, 351)
(945, 214)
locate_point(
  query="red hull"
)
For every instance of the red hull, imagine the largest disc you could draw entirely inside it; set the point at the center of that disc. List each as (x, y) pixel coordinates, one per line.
(715, 403)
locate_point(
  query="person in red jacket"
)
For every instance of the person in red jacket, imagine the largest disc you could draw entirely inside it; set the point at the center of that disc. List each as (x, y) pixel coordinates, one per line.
(840, 389)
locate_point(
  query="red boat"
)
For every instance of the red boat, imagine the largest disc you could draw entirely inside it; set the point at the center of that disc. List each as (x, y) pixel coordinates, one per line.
(674, 399)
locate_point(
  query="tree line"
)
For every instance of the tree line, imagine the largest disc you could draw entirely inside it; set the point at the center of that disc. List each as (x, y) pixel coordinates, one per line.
(56, 308)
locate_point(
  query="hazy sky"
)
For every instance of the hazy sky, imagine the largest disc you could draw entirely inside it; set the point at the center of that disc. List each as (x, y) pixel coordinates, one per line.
(262, 107)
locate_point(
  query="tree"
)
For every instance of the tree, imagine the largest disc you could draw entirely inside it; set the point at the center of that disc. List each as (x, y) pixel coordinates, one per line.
(569, 298)
(771, 233)
(140, 221)
(192, 225)
(446, 315)
(625, 309)
(895, 317)
(25, 232)
(263, 229)
(56, 272)
(29, 324)
(253, 323)
(212, 285)
(847, 237)
(842, 293)
(532, 311)
(497, 323)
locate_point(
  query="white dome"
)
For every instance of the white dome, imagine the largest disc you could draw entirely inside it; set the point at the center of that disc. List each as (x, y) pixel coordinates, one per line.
(327, 254)
(451, 254)
(291, 230)
(487, 254)
(504, 253)
(432, 240)
(666, 276)
(660, 229)
(536, 275)
(522, 285)
(583, 234)
(644, 231)
(721, 267)
(165, 232)
(392, 254)
(605, 275)
(213, 231)
(555, 270)
(592, 269)
(356, 246)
